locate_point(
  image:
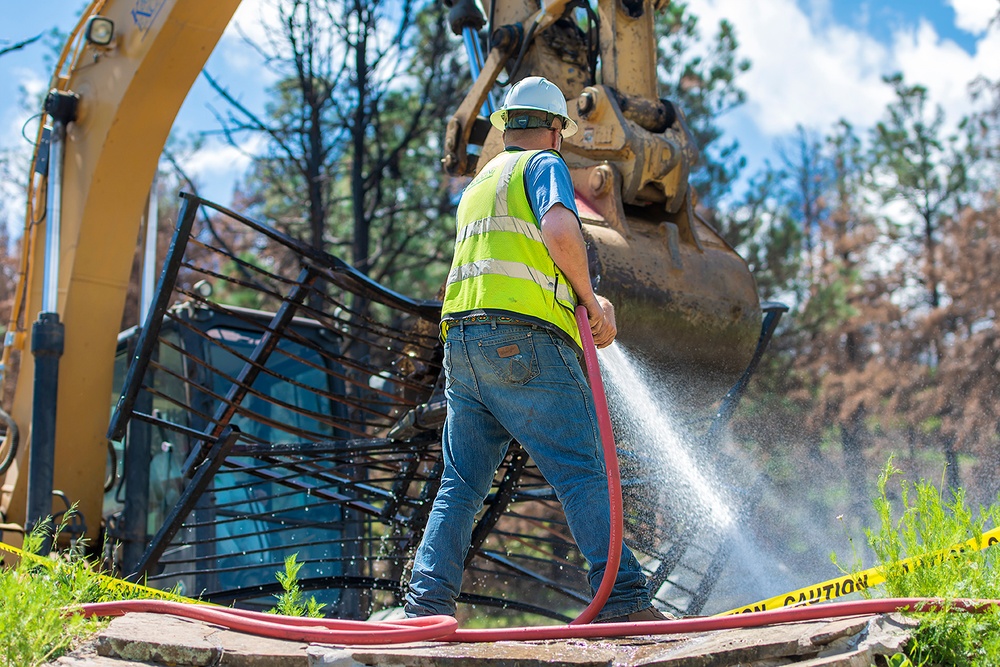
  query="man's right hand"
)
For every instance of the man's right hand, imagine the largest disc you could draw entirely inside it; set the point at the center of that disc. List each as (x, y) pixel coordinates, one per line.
(601, 314)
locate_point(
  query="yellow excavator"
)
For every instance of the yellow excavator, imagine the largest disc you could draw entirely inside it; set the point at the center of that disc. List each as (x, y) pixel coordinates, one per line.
(684, 298)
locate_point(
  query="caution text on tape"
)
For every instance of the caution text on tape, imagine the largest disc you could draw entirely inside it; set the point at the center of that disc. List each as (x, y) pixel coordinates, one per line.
(858, 581)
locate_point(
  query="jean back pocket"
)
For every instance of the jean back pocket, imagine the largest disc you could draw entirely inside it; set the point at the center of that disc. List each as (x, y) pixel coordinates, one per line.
(511, 356)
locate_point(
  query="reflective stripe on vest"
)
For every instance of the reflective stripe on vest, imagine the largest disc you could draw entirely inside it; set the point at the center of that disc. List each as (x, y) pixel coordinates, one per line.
(504, 223)
(499, 267)
(500, 203)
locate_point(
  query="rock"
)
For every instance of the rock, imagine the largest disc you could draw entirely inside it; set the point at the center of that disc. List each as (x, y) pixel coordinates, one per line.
(322, 656)
(888, 634)
(774, 644)
(861, 658)
(164, 639)
(159, 638)
(86, 656)
(495, 654)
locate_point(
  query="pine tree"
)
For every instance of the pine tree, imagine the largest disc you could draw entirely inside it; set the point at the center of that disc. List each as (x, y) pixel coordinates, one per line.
(702, 80)
(925, 171)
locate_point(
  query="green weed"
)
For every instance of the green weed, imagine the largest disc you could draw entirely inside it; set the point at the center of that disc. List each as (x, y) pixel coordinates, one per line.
(292, 601)
(925, 524)
(34, 628)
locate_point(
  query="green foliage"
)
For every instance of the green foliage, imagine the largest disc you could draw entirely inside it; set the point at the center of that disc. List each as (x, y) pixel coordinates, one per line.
(705, 87)
(898, 660)
(34, 625)
(929, 525)
(292, 601)
(926, 170)
(766, 235)
(828, 307)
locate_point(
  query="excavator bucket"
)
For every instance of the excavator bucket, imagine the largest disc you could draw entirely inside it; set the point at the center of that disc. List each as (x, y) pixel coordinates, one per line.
(684, 299)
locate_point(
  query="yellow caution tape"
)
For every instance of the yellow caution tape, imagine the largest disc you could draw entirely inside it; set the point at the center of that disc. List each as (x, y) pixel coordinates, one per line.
(821, 592)
(851, 583)
(111, 582)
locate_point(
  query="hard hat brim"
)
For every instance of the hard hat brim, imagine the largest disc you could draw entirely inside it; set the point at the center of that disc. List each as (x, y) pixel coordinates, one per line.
(499, 119)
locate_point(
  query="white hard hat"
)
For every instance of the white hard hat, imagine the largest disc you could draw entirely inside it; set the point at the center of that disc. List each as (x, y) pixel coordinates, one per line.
(534, 93)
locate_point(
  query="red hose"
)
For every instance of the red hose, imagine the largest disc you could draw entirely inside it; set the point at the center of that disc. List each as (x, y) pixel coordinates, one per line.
(611, 465)
(294, 628)
(442, 628)
(707, 623)
(431, 627)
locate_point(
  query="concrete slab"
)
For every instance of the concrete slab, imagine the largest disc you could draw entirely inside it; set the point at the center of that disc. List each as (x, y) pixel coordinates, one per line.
(86, 656)
(159, 639)
(775, 644)
(153, 640)
(164, 639)
(498, 654)
(862, 658)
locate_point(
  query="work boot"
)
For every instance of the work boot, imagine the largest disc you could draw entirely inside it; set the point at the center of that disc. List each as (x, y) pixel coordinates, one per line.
(650, 613)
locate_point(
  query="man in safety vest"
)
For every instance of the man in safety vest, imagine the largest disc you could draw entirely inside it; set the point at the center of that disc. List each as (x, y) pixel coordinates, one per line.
(511, 356)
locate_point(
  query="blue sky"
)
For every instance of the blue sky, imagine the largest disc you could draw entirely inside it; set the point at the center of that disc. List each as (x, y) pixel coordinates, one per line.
(881, 19)
(817, 61)
(814, 62)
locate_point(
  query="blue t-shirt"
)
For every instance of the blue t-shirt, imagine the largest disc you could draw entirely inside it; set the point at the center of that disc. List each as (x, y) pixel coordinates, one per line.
(547, 181)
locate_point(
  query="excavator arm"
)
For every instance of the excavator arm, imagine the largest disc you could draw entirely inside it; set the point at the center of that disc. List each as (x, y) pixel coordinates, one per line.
(683, 296)
(129, 92)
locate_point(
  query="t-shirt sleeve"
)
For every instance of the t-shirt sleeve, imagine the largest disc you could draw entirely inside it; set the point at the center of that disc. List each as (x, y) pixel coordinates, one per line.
(547, 181)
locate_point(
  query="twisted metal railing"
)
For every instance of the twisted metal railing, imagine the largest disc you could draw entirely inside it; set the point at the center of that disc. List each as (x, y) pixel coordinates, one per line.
(306, 422)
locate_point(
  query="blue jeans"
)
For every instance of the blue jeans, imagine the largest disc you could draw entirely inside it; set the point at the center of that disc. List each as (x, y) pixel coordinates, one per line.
(504, 382)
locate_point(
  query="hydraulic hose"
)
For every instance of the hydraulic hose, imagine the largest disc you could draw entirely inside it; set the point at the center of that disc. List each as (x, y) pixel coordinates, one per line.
(443, 628)
(611, 466)
(12, 437)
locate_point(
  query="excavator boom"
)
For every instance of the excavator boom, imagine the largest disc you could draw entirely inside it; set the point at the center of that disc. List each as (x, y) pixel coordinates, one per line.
(129, 93)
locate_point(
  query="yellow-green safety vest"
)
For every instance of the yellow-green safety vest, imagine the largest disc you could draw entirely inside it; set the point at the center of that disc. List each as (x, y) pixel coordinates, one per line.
(501, 264)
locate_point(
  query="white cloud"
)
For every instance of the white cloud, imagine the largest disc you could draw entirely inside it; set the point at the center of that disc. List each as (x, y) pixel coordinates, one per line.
(253, 22)
(944, 67)
(809, 70)
(14, 116)
(974, 16)
(33, 84)
(804, 69)
(218, 166)
(252, 18)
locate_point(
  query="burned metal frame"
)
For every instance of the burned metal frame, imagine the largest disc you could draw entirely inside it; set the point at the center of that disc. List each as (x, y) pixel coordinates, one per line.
(346, 481)
(200, 480)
